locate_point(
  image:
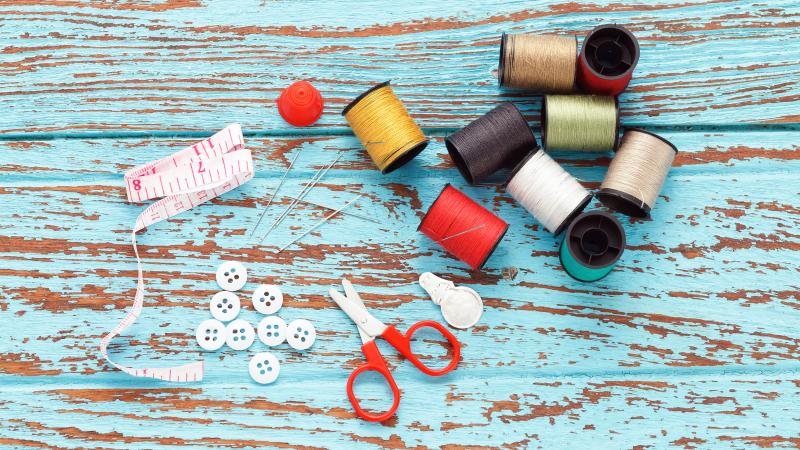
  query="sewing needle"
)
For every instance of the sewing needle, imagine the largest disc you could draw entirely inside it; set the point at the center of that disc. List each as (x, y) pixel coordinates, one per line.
(325, 219)
(275, 192)
(317, 177)
(370, 219)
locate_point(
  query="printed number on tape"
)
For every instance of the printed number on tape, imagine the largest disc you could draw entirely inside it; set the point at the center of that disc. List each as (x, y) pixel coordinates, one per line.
(185, 179)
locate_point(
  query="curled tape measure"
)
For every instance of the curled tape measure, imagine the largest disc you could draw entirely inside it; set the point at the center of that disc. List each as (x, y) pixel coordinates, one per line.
(185, 179)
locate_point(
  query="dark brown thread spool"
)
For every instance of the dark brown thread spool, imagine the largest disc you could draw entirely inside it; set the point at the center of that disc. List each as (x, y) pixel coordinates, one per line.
(498, 139)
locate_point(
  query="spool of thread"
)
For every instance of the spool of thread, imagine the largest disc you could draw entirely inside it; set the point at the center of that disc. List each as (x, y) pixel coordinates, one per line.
(547, 191)
(538, 63)
(586, 123)
(464, 228)
(608, 56)
(384, 127)
(497, 139)
(592, 246)
(637, 173)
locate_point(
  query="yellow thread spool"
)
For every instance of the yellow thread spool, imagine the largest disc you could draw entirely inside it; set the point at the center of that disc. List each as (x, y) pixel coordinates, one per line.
(384, 127)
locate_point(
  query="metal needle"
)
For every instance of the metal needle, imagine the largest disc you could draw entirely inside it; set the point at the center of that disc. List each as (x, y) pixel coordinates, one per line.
(275, 192)
(462, 232)
(370, 219)
(325, 219)
(317, 177)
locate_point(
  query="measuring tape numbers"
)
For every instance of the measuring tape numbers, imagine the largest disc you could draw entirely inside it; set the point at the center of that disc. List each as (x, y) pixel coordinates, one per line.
(183, 180)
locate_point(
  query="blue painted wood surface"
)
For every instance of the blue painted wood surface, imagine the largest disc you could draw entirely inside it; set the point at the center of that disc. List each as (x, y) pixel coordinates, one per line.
(690, 343)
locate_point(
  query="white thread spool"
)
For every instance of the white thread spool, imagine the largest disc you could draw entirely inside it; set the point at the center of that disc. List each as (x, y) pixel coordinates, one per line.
(547, 191)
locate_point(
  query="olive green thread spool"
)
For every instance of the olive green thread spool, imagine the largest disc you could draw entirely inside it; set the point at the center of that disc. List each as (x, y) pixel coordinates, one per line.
(592, 245)
(587, 123)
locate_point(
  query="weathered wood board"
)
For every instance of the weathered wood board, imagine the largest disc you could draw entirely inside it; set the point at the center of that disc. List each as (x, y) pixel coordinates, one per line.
(690, 343)
(127, 68)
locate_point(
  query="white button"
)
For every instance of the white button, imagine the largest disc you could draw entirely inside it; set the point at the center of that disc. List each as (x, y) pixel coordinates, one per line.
(272, 330)
(240, 335)
(300, 334)
(231, 276)
(267, 299)
(210, 334)
(264, 368)
(225, 306)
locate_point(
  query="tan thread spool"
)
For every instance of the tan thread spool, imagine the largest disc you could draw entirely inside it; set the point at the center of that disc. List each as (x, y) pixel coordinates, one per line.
(384, 127)
(637, 173)
(586, 123)
(539, 63)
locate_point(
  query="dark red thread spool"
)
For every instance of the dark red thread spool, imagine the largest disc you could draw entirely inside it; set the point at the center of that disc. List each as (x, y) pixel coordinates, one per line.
(608, 56)
(464, 228)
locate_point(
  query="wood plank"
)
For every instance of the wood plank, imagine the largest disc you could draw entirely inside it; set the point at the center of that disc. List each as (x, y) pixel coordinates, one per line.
(507, 412)
(689, 292)
(125, 66)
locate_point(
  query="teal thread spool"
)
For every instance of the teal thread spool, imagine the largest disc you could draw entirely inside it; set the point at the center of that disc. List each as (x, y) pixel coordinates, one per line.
(592, 246)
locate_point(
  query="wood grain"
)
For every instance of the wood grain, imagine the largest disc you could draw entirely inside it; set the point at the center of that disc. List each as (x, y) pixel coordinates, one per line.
(510, 412)
(691, 342)
(685, 306)
(75, 66)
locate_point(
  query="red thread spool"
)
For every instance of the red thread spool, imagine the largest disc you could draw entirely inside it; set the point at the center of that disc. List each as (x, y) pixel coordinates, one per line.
(464, 228)
(608, 56)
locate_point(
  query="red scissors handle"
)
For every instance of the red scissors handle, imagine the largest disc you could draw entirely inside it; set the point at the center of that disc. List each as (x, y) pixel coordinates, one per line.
(375, 363)
(403, 344)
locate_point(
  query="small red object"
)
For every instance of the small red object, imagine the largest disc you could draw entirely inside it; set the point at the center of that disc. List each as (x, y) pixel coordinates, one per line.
(607, 59)
(402, 343)
(464, 228)
(370, 328)
(300, 104)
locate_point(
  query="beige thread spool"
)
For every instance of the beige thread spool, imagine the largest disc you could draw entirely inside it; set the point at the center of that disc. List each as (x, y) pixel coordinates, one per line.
(539, 63)
(637, 173)
(586, 123)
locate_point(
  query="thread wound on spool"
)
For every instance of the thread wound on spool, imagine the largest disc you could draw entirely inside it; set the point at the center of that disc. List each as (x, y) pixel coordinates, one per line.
(588, 123)
(384, 127)
(540, 63)
(464, 228)
(608, 57)
(500, 138)
(637, 173)
(592, 245)
(547, 191)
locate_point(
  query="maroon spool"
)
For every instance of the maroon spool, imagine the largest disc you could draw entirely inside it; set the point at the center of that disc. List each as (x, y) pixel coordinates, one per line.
(608, 56)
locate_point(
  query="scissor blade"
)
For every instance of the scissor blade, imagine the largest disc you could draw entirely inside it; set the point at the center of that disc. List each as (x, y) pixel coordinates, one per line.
(368, 326)
(350, 291)
(350, 308)
(355, 310)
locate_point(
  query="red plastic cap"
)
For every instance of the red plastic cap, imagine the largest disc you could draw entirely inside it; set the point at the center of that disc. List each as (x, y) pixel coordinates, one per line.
(300, 104)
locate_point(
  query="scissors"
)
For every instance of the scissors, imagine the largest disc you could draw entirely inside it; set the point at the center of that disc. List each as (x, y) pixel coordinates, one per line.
(370, 328)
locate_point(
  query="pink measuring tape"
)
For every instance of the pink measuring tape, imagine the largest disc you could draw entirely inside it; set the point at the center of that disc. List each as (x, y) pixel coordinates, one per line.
(185, 179)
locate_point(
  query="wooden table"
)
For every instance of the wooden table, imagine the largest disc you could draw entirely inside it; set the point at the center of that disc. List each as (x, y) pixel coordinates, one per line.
(692, 342)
